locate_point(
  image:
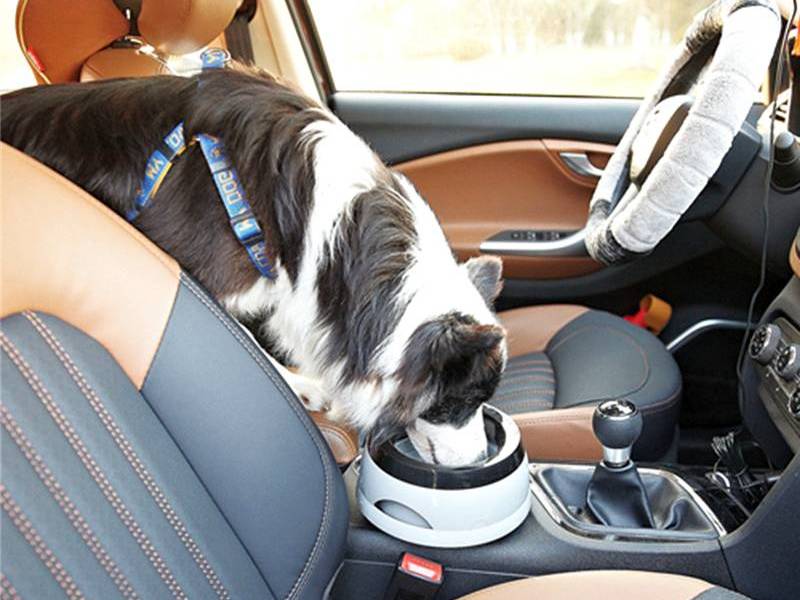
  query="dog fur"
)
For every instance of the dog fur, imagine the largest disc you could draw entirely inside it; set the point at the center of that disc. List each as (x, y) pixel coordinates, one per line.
(369, 304)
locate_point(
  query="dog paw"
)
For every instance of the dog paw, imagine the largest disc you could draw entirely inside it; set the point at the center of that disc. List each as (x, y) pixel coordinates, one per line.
(310, 393)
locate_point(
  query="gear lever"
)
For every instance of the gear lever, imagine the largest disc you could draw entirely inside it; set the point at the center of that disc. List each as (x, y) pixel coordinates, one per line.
(617, 424)
(616, 495)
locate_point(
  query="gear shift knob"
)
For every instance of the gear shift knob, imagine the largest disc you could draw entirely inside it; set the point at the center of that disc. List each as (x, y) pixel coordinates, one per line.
(617, 425)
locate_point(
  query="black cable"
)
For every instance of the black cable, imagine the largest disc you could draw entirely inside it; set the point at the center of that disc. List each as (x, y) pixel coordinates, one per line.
(765, 204)
(746, 511)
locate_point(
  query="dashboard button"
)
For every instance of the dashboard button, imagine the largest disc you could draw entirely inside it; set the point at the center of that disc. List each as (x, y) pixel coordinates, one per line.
(764, 343)
(794, 404)
(788, 362)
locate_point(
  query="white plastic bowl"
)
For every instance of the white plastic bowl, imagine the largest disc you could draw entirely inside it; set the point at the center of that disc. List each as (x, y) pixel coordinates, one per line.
(446, 507)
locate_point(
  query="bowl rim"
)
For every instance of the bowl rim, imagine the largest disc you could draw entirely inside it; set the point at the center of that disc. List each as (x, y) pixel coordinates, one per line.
(510, 454)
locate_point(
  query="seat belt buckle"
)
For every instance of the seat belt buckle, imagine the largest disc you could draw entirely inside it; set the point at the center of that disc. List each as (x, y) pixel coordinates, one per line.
(415, 578)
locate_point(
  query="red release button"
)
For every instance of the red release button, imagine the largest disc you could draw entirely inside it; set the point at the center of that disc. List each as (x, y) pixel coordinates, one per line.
(419, 567)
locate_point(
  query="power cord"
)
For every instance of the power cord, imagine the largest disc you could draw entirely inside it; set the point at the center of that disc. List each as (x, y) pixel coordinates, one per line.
(730, 454)
(726, 448)
(779, 68)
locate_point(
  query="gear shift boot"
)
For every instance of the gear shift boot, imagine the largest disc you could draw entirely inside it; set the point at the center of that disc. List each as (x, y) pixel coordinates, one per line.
(617, 497)
(612, 498)
(676, 511)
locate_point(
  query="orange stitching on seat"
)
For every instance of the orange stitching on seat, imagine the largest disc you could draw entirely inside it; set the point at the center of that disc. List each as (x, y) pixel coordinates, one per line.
(130, 454)
(41, 549)
(524, 362)
(62, 499)
(527, 390)
(516, 369)
(92, 467)
(523, 377)
(7, 591)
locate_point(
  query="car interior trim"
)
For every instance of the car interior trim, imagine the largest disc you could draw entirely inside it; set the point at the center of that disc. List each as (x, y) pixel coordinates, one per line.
(483, 191)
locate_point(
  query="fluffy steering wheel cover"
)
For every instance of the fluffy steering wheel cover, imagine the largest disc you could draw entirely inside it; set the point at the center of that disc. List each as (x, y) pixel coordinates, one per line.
(625, 221)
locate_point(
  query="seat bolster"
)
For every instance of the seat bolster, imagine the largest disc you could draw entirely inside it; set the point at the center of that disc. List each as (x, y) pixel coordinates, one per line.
(616, 585)
(252, 444)
(531, 328)
(564, 434)
(65, 254)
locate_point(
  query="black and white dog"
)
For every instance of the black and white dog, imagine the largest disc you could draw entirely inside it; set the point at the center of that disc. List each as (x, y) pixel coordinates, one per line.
(368, 303)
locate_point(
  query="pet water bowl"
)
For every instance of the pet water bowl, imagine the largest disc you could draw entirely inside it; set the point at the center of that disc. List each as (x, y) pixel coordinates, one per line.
(446, 507)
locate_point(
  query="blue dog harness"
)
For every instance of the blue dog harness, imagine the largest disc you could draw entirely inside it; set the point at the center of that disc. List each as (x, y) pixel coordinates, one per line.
(229, 189)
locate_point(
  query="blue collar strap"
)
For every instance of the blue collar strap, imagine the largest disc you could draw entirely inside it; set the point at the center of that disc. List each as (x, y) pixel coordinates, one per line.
(240, 214)
(158, 165)
(215, 58)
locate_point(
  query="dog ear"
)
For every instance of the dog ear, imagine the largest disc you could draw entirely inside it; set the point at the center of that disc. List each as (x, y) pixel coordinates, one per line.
(452, 341)
(451, 353)
(458, 343)
(485, 272)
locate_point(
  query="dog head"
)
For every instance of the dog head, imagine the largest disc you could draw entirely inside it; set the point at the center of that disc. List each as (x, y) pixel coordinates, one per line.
(451, 366)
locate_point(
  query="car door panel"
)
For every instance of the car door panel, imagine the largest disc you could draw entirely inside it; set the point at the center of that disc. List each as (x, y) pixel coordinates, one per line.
(480, 191)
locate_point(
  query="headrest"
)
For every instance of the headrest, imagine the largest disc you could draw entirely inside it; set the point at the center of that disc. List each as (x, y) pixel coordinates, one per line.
(184, 26)
(57, 36)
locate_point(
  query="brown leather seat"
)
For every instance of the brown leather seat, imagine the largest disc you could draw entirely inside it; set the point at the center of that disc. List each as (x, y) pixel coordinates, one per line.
(566, 359)
(609, 585)
(64, 44)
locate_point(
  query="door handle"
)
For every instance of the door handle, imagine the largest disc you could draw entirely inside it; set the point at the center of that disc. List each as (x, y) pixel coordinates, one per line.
(572, 245)
(579, 163)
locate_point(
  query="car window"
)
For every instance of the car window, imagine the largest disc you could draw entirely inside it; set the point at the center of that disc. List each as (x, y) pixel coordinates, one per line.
(554, 47)
(14, 72)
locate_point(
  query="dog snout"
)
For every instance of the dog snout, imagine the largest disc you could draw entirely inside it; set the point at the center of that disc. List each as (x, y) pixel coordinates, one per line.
(449, 445)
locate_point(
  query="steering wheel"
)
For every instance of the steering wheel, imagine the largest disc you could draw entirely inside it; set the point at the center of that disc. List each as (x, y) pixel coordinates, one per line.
(676, 142)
